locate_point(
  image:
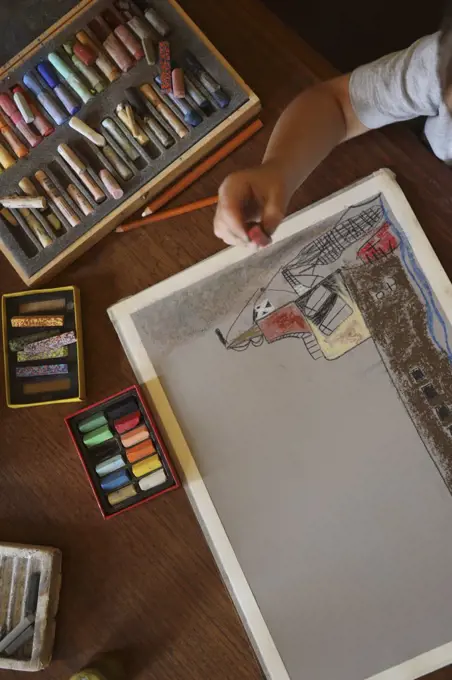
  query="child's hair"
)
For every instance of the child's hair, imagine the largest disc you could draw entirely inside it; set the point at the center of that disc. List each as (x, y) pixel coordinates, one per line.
(445, 54)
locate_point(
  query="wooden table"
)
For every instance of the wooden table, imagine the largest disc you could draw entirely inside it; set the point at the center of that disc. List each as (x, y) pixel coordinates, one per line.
(145, 583)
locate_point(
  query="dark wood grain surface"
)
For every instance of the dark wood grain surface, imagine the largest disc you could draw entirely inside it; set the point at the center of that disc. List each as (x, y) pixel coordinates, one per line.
(145, 583)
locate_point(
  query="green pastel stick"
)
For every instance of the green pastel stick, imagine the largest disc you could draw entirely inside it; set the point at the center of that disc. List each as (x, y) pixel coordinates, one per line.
(92, 423)
(53, 354)
(70, 77)
(17, 344)
(102, 434)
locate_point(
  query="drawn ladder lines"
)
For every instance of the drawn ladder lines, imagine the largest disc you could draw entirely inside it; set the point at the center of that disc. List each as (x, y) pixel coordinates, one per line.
(312, 346)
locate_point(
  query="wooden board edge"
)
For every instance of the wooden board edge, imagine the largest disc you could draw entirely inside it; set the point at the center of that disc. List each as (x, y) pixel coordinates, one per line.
(147, 192)
(36, 44)
(202, 36)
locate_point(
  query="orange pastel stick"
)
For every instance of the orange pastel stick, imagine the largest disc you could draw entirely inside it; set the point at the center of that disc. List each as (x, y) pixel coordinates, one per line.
(16, 145)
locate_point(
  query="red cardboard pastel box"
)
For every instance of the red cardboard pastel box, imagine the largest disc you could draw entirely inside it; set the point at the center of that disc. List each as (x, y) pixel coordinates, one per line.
(124, 456)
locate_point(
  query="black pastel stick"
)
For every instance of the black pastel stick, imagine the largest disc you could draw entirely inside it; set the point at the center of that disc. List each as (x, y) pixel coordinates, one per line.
(31, 601)
(122, 409)
(136, 102)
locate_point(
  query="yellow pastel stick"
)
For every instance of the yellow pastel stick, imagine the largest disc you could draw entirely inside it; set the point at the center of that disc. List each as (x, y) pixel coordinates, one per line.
(144, 467)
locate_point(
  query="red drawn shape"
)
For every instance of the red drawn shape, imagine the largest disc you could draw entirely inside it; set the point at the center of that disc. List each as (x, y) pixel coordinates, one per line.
(382, 242)
(287, 320)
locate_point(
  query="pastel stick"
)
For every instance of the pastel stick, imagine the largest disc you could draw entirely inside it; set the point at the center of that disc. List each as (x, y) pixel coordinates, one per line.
(106, 450)
(31, 601)
(154, 479)
(92, 423)
(115, 480)
(142, 450)
(122, 495)
(123, 408)
(19, 343)
(146, 466)
(127, 422)
(135, 436)
(99, 436)
(109, 465)
(16, 632)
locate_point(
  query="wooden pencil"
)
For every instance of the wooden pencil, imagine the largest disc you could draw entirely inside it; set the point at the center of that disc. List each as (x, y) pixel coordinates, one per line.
(166, 214)
(204, 167)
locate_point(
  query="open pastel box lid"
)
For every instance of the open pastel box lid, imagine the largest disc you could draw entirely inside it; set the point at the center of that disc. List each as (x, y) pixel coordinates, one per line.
(27, 20)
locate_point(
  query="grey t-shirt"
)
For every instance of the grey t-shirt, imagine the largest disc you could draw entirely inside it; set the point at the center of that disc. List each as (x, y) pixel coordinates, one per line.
(402, 86)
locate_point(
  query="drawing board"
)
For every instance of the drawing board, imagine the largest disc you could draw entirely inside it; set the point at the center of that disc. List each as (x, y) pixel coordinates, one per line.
(305, 391)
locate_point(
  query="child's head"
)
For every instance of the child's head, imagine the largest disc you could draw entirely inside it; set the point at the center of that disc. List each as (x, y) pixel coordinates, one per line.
(445, 55)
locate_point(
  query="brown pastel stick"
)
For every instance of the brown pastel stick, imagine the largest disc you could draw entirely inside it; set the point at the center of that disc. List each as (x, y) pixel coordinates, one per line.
(77, 196)
(117, 52)
(103, 63)
(54, 305)
(46, 386)
(177, 77)
(132, 45)
(80, 169)
(164, 110)
(9, 217)
(53, 193)
(37, 321)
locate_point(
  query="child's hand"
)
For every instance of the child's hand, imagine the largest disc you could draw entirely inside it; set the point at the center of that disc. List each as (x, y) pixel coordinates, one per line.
(254, 195)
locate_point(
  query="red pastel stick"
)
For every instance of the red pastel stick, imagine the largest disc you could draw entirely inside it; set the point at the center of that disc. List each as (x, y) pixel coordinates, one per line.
(8, 106)
(165, 65)
(258, 236)
(127, 422)
(40, 122)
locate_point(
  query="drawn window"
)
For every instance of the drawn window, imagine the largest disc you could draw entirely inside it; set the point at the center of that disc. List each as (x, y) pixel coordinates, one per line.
(417, 375)
(337, 315)
(443, 412)
(430, 392)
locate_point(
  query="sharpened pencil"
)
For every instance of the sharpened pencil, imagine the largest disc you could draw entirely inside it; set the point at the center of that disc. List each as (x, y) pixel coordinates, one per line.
(166, 214)
(203, 167)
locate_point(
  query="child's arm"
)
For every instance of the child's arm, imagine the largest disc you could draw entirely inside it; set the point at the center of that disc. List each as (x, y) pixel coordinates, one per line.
(316, 121)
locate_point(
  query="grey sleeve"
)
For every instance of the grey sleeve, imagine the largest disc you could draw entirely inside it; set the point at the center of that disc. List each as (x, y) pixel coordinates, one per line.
(399, 86)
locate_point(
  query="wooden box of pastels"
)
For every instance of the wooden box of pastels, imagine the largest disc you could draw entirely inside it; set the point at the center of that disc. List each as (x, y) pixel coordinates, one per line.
(100, 114)
(30, 580)
(123, 454)
(42, 347)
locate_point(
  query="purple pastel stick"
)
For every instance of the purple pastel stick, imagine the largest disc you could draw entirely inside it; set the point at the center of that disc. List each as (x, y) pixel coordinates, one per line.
(50, 343)
(34, 371)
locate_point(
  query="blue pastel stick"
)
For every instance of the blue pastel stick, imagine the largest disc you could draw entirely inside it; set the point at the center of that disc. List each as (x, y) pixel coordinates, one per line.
(109, 465)
(46, 100)
(115, 480)
(49, 74)
(191, 117)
